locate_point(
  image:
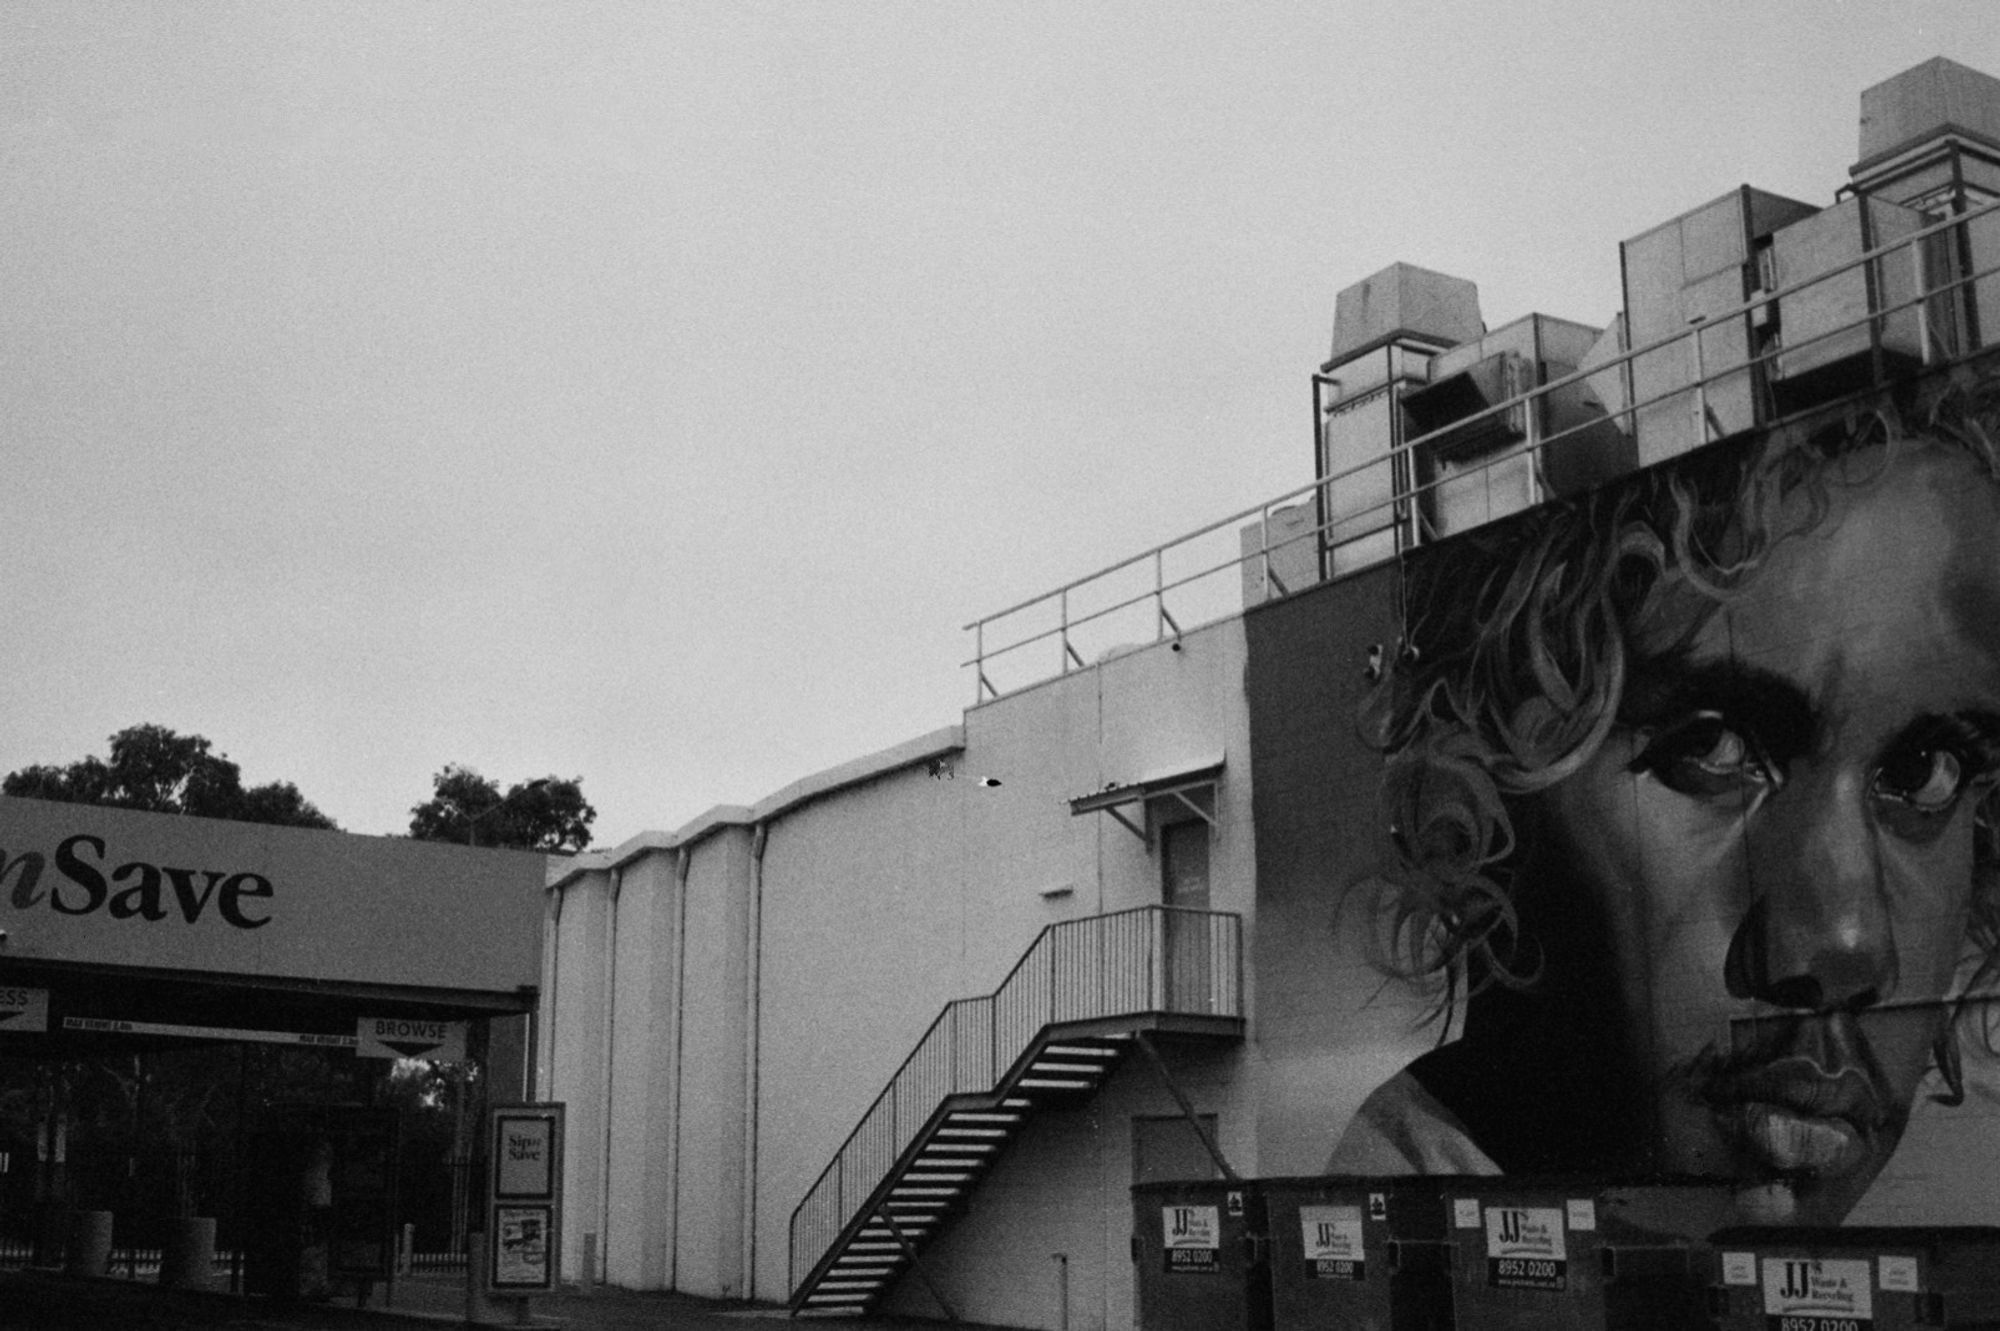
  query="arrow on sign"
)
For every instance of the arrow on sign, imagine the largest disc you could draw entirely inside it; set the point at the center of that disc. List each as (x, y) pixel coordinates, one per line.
(410, 1037)
(9, 1016)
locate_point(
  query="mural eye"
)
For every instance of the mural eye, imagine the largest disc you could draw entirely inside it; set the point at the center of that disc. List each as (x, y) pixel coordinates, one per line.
(1926, 780)
(1705, 756)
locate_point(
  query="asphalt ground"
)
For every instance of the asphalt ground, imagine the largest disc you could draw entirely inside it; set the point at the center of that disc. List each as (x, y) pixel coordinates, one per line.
(49, 1301)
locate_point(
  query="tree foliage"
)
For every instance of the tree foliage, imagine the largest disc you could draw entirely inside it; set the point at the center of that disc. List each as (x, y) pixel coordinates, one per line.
(546, 814)
(160, 771)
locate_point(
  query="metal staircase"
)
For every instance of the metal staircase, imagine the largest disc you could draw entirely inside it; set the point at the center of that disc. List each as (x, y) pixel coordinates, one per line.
(1046, 1038)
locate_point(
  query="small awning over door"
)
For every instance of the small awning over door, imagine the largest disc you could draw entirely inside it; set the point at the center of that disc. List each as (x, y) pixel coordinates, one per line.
(1183, 784)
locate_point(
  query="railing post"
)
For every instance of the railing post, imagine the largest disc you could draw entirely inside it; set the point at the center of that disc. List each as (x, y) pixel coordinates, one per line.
(1156, 944)
(1264, 538)
(1923, 301)
(1062, 629)
(1700, 382)
(1052, 978)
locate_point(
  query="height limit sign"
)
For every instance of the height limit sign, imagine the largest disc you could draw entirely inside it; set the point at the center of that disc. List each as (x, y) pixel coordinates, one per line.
(410, 1037)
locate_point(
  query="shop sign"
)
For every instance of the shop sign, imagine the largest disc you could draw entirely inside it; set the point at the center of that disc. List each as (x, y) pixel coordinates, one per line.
(408, 1037)
(23, 1009)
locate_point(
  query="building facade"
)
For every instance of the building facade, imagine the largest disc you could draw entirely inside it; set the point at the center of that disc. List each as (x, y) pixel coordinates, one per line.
(905, 1034)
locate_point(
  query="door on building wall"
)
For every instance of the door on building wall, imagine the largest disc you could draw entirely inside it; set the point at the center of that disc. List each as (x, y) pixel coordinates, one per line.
(1184, 857)
(1168, 1150)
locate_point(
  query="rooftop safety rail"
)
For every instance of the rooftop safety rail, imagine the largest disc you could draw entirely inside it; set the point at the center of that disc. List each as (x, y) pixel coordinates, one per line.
(1132, 963)
(1197, 578)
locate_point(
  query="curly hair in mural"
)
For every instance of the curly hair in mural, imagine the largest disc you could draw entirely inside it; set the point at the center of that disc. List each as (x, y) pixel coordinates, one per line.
(1690, 806)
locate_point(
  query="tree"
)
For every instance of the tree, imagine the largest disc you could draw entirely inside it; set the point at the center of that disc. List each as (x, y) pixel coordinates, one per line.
(546, 814)
(157, 770)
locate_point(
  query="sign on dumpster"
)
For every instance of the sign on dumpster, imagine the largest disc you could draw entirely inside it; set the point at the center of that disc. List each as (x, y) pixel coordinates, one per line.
(1818, 1295)
(524, 1198)
(1330, 1237)
(1193, 1240)
(1525, 1248)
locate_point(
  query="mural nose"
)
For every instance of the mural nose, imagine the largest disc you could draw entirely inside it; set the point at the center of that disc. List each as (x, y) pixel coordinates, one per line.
(1848, 968)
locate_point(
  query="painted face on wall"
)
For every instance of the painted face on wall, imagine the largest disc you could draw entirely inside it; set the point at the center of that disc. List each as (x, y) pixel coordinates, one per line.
(1779, 834)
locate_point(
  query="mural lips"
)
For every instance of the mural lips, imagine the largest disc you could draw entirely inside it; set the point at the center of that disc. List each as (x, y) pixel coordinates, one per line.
(1789, 1114)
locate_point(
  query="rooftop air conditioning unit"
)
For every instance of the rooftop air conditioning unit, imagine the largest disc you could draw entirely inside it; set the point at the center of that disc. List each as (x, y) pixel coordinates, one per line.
(1842, 330)
(1463, 397)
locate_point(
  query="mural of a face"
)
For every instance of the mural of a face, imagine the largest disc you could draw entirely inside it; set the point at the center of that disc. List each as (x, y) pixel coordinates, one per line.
(1778, 834)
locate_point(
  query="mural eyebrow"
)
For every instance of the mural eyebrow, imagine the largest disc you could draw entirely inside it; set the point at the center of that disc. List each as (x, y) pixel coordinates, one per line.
(1762, 704)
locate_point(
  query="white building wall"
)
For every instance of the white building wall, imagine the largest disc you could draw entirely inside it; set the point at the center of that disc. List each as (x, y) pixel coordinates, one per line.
(638, 1225)
(863, 936)
(883, 902)
(708, 1184)
(576, 1062)
(860, 903)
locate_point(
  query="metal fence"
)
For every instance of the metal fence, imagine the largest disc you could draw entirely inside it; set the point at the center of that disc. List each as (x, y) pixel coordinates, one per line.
(1154, 959)
(1196, 579)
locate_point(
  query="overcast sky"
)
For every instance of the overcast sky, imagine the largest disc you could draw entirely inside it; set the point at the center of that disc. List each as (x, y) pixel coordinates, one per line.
(651, 392)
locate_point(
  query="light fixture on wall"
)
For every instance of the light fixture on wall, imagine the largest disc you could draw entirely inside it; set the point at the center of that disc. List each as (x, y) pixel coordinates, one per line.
(990, 782)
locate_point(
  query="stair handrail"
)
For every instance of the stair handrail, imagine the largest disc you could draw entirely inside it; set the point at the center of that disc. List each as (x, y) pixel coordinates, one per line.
(1221, 985)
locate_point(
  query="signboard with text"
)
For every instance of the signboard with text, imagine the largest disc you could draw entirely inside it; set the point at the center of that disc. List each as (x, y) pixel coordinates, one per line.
(23, 1009)
(117, 887)
(409, 1037)
(524, 1198)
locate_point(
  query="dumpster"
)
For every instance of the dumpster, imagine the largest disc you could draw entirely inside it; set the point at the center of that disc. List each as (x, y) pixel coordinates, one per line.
(1580, 1254)
(1859, 1279)
(1200, 1249)
(1371, 1254)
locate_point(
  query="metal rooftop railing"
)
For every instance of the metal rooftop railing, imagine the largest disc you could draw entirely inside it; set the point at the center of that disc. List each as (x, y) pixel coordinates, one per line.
(1197, 578)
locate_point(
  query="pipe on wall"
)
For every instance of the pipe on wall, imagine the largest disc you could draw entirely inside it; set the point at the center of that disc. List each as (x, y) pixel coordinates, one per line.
(542, 1056)
(753, 961)
(683, 855)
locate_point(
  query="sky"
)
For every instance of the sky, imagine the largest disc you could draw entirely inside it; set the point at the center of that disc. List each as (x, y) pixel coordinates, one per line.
(651, 393)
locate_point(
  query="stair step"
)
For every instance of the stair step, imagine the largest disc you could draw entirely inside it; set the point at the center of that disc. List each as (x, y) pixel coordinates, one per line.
(1053, 1084)
(1065, 1069)
(971, 1132)
(1081, 1051)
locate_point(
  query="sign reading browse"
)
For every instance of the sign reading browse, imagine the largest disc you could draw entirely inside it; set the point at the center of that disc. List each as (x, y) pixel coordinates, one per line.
(410, 1037)
(23, 1009)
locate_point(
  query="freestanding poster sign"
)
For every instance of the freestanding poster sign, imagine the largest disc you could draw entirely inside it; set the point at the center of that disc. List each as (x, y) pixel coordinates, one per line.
(524, 1199)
